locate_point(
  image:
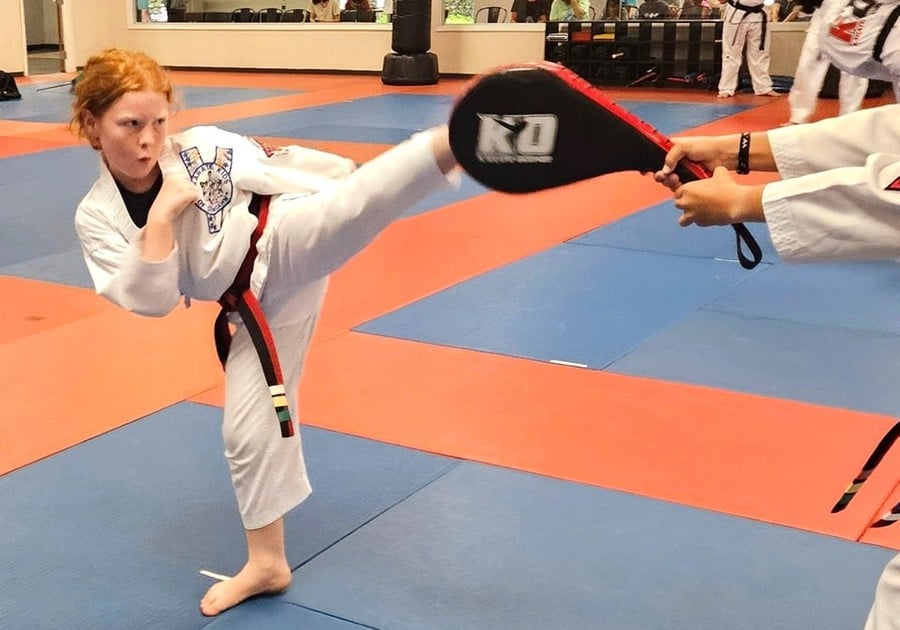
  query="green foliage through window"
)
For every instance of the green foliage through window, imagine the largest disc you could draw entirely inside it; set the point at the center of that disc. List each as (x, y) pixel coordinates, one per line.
(459, 11)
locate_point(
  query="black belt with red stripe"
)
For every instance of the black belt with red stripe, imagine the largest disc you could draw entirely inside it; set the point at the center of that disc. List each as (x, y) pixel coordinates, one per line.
(239, 298)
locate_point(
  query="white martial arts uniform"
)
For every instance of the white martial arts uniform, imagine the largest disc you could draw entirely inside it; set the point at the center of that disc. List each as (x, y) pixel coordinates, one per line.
(812, 66)
(323, 211)
(840, 200)
(744, 23)
(856, 39)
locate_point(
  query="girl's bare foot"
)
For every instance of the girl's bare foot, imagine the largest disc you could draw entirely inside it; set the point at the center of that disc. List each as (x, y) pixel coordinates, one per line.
(251, 580)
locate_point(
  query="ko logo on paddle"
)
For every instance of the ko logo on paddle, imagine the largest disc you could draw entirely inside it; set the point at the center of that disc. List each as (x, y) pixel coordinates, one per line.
(519, 138)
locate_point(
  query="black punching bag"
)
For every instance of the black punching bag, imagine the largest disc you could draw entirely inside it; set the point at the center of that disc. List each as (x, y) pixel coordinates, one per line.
(411, 63)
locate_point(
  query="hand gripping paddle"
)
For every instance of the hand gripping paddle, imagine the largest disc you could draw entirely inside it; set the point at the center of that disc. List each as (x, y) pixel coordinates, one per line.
(529, 127)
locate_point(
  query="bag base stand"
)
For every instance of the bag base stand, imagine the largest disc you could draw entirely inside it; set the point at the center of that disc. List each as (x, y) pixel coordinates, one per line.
(9, 91)
(415, 69)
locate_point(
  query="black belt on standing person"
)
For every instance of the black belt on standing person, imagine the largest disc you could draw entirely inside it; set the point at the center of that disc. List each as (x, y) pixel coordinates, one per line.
(748, 9)
(239, 298)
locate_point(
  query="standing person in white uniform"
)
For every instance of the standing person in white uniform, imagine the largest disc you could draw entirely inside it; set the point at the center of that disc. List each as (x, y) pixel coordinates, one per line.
(838, 200)
(745, 22)
(861, 38)
(813, 64)
(171, 218)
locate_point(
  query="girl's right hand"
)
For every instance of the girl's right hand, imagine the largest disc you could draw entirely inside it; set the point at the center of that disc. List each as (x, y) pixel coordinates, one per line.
(706, 150)
(176, 194)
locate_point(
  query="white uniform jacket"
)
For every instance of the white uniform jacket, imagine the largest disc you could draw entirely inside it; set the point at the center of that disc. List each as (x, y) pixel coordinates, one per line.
(212, 236)
(851, 37)
(839, 197)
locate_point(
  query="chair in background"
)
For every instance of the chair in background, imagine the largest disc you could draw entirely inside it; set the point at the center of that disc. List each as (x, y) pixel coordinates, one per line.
(491, 14)
(357, 15)
(295, 15)
(592, 13)
(193, 16)
(269, 14)
(216, 16)
(244, 14)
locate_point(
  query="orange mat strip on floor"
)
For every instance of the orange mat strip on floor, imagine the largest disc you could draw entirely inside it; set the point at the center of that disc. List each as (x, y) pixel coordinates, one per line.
(92, 373)
(43, 306)
(773, 460)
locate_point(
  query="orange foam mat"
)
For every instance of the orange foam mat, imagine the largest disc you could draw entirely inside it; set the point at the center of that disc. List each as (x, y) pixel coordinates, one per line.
(42, 306)
(772, 460)
(98, 372)
(888, 470)
(20, 145)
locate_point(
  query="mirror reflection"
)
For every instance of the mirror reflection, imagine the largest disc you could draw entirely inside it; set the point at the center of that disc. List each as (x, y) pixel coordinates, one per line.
(455, 11)
(525, 11)
(261, 11)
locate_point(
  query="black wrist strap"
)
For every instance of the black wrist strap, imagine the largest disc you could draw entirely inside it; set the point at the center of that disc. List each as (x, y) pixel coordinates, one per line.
(743, 158)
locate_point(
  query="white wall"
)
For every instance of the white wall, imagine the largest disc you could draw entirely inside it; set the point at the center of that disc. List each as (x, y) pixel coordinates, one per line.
(92, 25)
(12, 43)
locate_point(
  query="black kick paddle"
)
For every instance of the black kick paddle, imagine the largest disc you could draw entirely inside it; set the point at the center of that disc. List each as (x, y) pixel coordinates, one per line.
(533, 126)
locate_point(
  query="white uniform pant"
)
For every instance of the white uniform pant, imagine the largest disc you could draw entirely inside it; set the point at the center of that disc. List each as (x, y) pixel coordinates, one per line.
(885, 612)
(267, 471)
(736, 33)
(812, 67)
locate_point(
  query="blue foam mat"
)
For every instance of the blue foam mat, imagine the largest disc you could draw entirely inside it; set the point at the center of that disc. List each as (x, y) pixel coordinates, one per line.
(267, 614)
(66, 268)
(828, 365)
(863, 296)
(47, 187)
(112, 533)
(587, 305)
(670, 118)
(52, 103)
(485, 547)
(386, 119)
(37, 173)
(656, 229)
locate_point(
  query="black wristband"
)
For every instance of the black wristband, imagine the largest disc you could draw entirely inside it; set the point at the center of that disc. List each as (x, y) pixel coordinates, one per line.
(743, 161)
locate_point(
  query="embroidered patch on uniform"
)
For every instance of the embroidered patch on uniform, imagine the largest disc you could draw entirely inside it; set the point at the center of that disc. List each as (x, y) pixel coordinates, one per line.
(268, 148)
(894, 185)
(214, 179)
(848, 25)
(848, 32)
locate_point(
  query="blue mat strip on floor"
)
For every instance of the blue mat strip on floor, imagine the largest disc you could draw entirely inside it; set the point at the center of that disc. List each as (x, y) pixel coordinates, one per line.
(112, 533)
(656, 229)
(268, 614)
(52, 103)
(586, 305)
(485, 547)
(827, 365)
